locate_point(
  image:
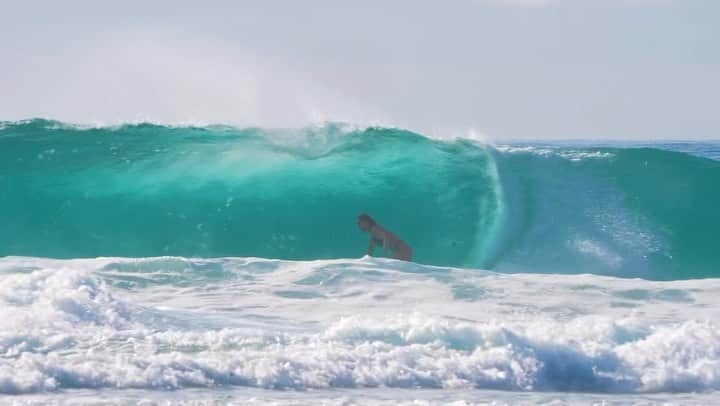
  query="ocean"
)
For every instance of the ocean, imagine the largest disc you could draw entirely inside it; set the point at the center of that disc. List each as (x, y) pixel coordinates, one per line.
(153, 264)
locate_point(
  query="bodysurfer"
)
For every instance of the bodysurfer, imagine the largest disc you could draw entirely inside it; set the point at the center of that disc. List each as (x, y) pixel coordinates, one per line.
(384, 238)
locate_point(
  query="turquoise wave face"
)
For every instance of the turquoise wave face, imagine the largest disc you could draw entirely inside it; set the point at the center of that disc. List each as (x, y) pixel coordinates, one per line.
(636, 212)
(147, 190)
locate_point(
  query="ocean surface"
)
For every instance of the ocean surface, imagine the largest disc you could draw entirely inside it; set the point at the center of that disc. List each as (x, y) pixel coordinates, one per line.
(209, 265)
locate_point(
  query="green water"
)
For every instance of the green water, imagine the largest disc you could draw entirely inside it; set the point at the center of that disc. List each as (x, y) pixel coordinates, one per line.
(148, 190)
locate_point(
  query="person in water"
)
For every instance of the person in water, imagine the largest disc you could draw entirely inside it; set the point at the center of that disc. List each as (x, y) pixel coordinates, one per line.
(384, 238)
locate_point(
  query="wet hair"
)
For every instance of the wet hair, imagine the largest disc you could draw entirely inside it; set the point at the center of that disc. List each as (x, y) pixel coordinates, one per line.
(366, 219)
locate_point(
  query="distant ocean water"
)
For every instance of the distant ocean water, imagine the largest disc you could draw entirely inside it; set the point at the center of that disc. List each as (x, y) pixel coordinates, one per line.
(216, 264)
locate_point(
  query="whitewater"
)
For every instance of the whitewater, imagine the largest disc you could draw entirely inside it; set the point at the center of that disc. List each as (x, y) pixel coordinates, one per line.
(214, 265)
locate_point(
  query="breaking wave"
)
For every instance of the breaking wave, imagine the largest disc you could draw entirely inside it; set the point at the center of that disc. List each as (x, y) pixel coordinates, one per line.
(147, 190)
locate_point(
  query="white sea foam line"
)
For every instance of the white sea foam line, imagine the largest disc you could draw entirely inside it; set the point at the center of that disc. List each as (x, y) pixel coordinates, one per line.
(348, 397)
(570, 154)
(497, 294)
(397, 352)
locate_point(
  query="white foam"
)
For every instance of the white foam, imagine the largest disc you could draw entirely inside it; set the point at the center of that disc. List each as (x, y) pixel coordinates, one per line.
(348, 324)
(569, 154)
(595, 249)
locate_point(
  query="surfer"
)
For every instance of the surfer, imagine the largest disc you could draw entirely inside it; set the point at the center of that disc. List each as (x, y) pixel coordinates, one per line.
(384, 238)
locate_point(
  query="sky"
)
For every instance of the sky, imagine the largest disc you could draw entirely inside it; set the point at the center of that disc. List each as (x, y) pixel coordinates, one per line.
(493, 69)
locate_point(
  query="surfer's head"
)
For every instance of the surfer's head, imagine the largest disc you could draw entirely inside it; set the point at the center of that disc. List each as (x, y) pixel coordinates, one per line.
(365, 222)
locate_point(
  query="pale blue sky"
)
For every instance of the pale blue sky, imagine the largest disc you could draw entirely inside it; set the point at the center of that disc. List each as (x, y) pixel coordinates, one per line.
(506, 69)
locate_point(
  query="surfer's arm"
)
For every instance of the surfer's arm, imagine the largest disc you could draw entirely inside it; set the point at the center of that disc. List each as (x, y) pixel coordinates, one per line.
(371, 248)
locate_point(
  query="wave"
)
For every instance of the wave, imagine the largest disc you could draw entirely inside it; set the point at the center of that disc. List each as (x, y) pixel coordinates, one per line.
(170, 323)
(146, 190)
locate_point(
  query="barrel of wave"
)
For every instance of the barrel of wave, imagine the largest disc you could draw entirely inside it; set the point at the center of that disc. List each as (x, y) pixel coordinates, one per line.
(148, 190)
